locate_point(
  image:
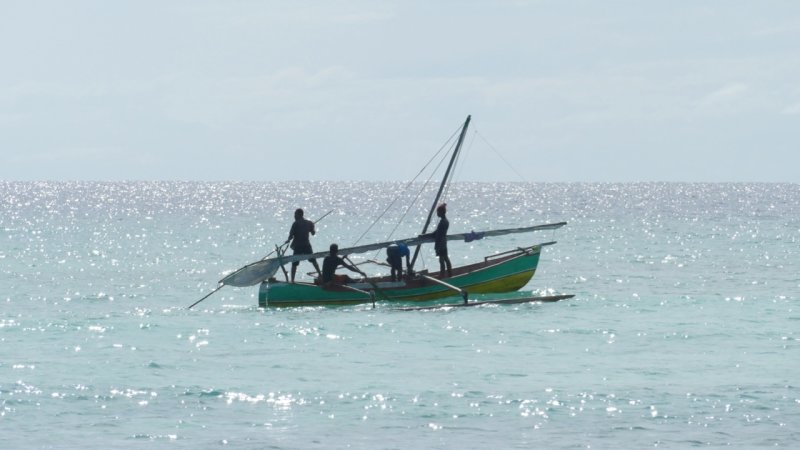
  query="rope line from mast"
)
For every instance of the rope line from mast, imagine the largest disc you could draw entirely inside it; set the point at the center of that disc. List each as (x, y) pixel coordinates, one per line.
(420, 192)
(406, 188)
(501, 156)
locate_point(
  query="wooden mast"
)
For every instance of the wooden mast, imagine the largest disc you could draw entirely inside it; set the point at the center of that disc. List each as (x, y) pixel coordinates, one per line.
(441, 187)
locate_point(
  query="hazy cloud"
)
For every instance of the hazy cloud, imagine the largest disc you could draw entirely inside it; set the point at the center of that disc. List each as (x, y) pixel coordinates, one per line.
(364, 90)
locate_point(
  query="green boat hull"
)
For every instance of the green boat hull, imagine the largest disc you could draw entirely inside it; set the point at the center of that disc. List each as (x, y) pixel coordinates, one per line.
(507, 273)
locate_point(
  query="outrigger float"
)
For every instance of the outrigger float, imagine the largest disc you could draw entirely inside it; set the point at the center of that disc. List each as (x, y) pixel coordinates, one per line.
(498, 273)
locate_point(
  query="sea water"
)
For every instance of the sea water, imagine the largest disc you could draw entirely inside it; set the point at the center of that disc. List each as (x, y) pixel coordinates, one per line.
(683, 331)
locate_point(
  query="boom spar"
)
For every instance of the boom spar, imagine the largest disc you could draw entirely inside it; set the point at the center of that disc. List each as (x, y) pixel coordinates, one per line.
(259, 271)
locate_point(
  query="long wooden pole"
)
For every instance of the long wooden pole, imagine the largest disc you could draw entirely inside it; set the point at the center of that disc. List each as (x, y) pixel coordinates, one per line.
(441, 187)
(464, 294)
(207, 295)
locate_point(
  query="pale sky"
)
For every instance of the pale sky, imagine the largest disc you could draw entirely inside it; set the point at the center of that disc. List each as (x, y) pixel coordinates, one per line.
(369, 90)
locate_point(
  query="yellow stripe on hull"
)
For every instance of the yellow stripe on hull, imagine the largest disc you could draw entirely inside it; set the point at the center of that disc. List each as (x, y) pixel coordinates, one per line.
(509, 283)
(509, 274)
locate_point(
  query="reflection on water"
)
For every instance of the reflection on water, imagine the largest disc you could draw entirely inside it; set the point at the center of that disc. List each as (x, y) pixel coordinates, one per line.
(683, 331)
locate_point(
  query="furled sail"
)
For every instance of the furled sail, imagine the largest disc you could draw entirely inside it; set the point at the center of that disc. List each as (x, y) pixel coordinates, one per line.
(259, 271)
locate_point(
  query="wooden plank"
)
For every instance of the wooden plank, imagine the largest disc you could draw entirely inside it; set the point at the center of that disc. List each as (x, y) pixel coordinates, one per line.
(504, 301)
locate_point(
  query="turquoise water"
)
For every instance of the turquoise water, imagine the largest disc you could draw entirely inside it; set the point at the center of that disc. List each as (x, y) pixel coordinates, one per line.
(683, 332)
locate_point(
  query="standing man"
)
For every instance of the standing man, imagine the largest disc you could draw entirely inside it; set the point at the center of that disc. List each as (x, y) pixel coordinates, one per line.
(440, 243)
(299, 235)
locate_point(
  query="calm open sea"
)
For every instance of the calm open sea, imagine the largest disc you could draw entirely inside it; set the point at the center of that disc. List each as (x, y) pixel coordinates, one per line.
(683, 332)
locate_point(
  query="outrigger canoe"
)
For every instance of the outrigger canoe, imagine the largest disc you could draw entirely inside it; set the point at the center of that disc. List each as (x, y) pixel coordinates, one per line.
(498, 273)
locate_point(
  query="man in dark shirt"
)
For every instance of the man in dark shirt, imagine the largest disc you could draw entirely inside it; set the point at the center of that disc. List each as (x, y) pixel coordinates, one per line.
(440, 244)
(394, 256)
(299, 235)
(331, 262)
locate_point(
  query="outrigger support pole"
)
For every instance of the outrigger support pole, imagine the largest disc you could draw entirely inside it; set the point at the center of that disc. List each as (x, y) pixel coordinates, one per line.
(370, 294)
(463, 292)
(281, 251)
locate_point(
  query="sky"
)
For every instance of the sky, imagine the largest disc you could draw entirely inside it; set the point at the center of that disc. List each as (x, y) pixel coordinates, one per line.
(596, 91)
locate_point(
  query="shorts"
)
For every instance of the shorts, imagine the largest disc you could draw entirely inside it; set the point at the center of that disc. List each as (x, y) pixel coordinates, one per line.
(303, 249)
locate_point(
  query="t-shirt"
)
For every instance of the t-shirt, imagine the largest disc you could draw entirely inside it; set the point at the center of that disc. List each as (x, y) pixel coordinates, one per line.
(300, 231)
(398, 250)
(395, 254)
(404, 250)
